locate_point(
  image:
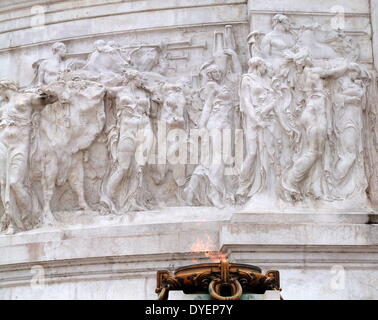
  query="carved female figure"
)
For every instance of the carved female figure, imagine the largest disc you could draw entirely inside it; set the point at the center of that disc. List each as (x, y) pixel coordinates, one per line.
(316, 123)
(349, 174)
(207, 184)
(279, 42)
(15, 130)
(134, 139)
(257, 106)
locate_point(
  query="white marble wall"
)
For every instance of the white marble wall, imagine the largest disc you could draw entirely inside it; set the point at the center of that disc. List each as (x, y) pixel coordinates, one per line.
(117, 257)
(316, 261)
(352, 16)
(359, 19)
(80, 23)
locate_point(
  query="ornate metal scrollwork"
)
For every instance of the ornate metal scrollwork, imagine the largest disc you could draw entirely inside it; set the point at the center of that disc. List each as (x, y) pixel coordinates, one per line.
(222, 281)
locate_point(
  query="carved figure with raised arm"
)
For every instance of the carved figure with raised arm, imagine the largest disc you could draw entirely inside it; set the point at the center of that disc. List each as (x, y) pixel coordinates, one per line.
(130, 143)
(207, 184)
(225, 57)
(307, 177)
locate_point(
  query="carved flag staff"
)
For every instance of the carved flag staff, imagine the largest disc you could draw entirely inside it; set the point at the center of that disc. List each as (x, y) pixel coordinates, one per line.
(222, 281)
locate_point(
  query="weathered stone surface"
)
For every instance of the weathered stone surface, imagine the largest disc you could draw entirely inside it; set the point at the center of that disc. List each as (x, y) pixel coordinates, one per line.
(141, 135)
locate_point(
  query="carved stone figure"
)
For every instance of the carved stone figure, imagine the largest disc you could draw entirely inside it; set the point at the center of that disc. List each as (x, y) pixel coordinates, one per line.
(316, 123)
(173, 117)
(207, 184)
(105, 64)
(349, 174)
(257, 104)
(149, 60)
(327, 44)
(15, 133)
(305, 107)
(279, 42)
(49, 70)
(65, 131)
(132, 133)
(225, 57)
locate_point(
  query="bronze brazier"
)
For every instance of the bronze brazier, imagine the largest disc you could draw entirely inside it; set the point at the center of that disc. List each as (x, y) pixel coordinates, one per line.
(223, 281)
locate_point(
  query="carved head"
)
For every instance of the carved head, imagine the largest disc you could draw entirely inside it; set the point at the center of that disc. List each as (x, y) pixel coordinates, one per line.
(59, 49)
(133, 76)
(257, 65)
(303, 58)
(99, 45)
(281, 22)
(214, 73)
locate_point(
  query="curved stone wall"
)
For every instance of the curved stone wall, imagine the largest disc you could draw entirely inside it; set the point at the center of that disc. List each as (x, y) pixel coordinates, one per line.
(28, 28)
(327, 251)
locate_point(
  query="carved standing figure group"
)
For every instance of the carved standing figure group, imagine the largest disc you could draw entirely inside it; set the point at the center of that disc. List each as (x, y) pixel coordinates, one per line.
(118, 125)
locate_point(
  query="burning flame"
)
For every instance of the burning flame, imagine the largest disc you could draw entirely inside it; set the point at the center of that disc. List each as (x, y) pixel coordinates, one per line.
(208, 249)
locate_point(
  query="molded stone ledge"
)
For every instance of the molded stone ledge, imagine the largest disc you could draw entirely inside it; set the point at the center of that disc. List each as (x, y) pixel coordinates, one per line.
(350, 6)
(124, 21)
(134, 277)
(305, 234)
(298, 217)
(92, 241)
(70, 12)
(120, 261)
